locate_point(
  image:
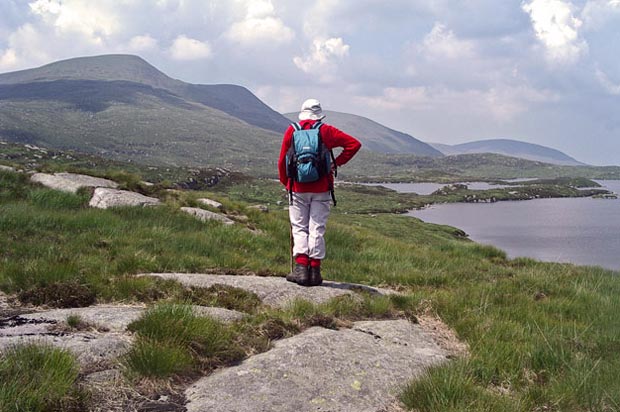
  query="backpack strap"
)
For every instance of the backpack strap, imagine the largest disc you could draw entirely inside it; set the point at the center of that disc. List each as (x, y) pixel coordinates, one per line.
(316, 125)
(296, 126)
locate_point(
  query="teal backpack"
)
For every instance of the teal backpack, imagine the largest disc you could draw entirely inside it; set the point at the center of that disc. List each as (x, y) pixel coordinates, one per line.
(308, 159)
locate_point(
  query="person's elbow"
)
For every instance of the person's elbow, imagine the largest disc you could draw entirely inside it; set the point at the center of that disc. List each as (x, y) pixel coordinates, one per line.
(356, 146)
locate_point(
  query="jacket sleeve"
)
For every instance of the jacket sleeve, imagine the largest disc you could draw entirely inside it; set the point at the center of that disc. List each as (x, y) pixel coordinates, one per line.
(286, 143)
(349, 144)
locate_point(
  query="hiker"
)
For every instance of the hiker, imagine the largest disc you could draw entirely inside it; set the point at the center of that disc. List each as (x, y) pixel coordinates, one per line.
(309, 178)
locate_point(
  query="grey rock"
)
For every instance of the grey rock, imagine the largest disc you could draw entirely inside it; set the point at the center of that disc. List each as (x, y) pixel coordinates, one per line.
(103, 377)
(204, 215)
(352, 370)
(89, 347)
(113, 318)
(273, 291)
(104, 198)
(7, 168)
(70, 182)
(209, 202)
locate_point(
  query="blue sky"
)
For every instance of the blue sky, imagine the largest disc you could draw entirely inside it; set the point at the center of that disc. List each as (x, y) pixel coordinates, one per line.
(541, 71)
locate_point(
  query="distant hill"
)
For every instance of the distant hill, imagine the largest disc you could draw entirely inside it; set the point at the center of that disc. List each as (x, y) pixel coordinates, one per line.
(121, 107)
(374, 136)
(512, 148)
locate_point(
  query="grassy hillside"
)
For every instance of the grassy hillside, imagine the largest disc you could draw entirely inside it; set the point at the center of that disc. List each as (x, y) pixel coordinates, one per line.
(126, 121)
(234, 100)
(542, 336)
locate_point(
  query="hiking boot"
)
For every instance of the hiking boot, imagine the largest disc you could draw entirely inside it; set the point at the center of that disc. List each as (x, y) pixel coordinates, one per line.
(300, 275)
(315, 276)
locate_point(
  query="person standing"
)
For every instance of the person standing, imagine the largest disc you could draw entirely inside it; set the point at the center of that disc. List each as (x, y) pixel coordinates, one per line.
(310, 200)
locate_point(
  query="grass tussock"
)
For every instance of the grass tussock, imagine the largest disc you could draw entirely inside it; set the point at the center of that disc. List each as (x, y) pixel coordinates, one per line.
(172, 339)
(38, 379)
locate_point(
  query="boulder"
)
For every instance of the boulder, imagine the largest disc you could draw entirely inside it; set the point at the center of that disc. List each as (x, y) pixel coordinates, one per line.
(70, 182)
(273, 291)
(104, 198)
(204, 215)
(352, 370)
(7, 168)
(209, 202)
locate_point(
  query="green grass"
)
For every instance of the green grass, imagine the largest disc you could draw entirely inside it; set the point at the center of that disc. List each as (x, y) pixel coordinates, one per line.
(37, 379)
(542, 336)
(172, 339)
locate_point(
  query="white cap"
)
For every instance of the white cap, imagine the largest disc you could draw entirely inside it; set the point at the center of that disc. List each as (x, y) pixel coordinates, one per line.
(311, 110)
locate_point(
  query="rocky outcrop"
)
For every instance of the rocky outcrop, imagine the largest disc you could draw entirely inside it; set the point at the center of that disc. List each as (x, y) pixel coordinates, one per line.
(104, 198)
(204, 215)
(273, 291)
(70, 182)
(102, 335)
(357, 370)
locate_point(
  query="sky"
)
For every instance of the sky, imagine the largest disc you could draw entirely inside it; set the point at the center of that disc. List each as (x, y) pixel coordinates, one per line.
(445, 71)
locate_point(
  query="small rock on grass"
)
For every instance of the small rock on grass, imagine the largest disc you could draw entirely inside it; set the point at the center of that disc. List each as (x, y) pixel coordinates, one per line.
(209, 202)
(204, 215)
(104, 198)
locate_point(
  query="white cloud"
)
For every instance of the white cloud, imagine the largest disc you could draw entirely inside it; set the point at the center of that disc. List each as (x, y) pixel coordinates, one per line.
(185, 48)
(503, 102)
(324, 53)
(27, 45)
(442, 43)
(8, 59)
(260, 27)
(93, 19)
(557, 29)
(596, 13)
(611, 87)
(142, 43)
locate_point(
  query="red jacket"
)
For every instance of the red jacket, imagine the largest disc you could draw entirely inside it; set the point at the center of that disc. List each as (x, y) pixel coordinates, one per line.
(332, 138)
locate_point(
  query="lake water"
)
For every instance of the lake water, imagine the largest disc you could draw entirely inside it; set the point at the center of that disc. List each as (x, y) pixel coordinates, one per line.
(583, 231)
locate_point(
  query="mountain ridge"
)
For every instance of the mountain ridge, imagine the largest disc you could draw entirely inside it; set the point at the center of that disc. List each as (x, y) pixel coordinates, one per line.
(510, 147)
(234, 100)
(375, 136)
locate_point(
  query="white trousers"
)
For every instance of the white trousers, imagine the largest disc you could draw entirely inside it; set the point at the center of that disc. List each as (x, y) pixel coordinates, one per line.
(308, 214)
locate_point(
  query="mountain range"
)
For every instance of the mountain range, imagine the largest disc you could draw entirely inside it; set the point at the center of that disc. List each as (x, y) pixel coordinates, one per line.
(513, 148)
(121, 107)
